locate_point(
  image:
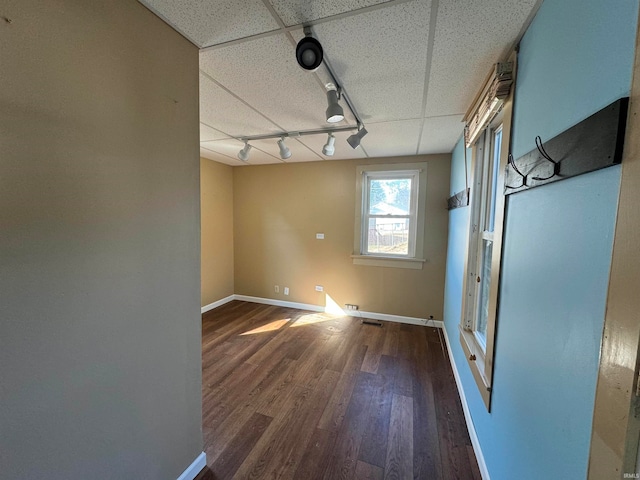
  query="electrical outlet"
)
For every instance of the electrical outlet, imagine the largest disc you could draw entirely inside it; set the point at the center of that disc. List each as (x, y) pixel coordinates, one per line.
(277, 288)
(319, 288)
(350, 306)
(286, 290)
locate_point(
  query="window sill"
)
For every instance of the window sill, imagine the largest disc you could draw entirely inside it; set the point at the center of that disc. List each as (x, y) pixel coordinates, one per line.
(393, 262)
(476, 361)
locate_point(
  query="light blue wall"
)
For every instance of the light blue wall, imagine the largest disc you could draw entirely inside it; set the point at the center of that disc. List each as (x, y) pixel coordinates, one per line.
(575, 59)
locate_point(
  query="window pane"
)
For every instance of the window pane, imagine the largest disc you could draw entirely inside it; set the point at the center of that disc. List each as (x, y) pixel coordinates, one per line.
(390, 196)
(495, 165)
(388, 235)
(485, 282)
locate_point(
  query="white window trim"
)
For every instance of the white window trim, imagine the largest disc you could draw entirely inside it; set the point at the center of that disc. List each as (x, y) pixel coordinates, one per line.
(415, 259)
(480, 357)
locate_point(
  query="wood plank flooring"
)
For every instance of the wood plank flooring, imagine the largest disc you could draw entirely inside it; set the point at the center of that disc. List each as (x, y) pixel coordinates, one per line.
(291, 394)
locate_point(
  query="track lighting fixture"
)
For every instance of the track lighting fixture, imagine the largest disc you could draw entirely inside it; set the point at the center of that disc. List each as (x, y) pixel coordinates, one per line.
(329, 148)
(310, 56)
(284, 150)
(309, 52)
(354, 140)
(334, 110)
(244, 153)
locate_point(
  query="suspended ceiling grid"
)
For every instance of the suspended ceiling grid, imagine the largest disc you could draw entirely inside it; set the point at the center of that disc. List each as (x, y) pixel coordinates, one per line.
(410, 67)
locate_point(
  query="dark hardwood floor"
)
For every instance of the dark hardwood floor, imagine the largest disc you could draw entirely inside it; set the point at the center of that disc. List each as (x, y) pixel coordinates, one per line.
(294, 394)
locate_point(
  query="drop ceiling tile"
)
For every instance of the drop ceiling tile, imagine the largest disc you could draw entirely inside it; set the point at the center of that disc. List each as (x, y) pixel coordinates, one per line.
(343, 149)
(231, 147)
(469, 38)
(224, 112)
(219, 158)
(440, 134)
(297, 12)
(207, 133)
(391, 139)
(380, 57)
(212, 22)
(266, 75)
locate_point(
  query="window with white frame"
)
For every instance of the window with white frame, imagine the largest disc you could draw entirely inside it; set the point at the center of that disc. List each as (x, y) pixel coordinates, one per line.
(390, 207)
(481, 243)
(488, 132)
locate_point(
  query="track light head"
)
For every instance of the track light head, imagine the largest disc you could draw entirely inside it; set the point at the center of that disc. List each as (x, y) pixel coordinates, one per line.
(284, 150)
(334, 110)
(244, 153)
(329, 148)
(309, 53)
(354, 140)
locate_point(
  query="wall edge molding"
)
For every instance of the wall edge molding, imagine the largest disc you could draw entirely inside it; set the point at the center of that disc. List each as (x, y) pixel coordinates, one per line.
(217, 303)
(355, 313)
(400, 319)
(475, 442)
(195, 468)
(279, 303)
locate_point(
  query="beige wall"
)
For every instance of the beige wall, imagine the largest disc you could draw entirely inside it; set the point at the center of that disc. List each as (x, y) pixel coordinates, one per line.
(278, 209)
(216, 211)
(99, 243)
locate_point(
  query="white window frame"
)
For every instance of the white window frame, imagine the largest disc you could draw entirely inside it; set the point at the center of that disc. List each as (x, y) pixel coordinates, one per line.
(480, 351)
(485, 186)
(364, 174)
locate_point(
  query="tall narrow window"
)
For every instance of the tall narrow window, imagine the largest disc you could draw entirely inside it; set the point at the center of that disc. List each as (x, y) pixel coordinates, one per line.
(488, 132)
(484, 225)
(389, 220)
(390, 209)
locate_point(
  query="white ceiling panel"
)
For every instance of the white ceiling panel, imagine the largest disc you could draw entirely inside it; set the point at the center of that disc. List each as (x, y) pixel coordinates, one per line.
(234, 162)
(207, 133)
(440, 134)
(381, 51)
(469, 38)
(381, 58)
(392, 138)
(224, 112)
(343, 149)
(298, 12)
(231, 147)
(209, 22)
(267, 76)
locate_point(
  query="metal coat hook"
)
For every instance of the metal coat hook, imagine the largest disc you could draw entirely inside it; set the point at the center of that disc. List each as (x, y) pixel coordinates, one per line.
(543, 152)
(511, 162)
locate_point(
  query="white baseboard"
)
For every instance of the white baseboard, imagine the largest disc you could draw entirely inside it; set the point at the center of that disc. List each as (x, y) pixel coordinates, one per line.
(354, 313)
(219, 303)
(467, 414)
(280, 303)
(399, 319)
(195, 468)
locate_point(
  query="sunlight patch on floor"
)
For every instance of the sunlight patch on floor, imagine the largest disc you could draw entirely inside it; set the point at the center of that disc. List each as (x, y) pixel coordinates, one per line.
(269, 327)
(312, 318)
